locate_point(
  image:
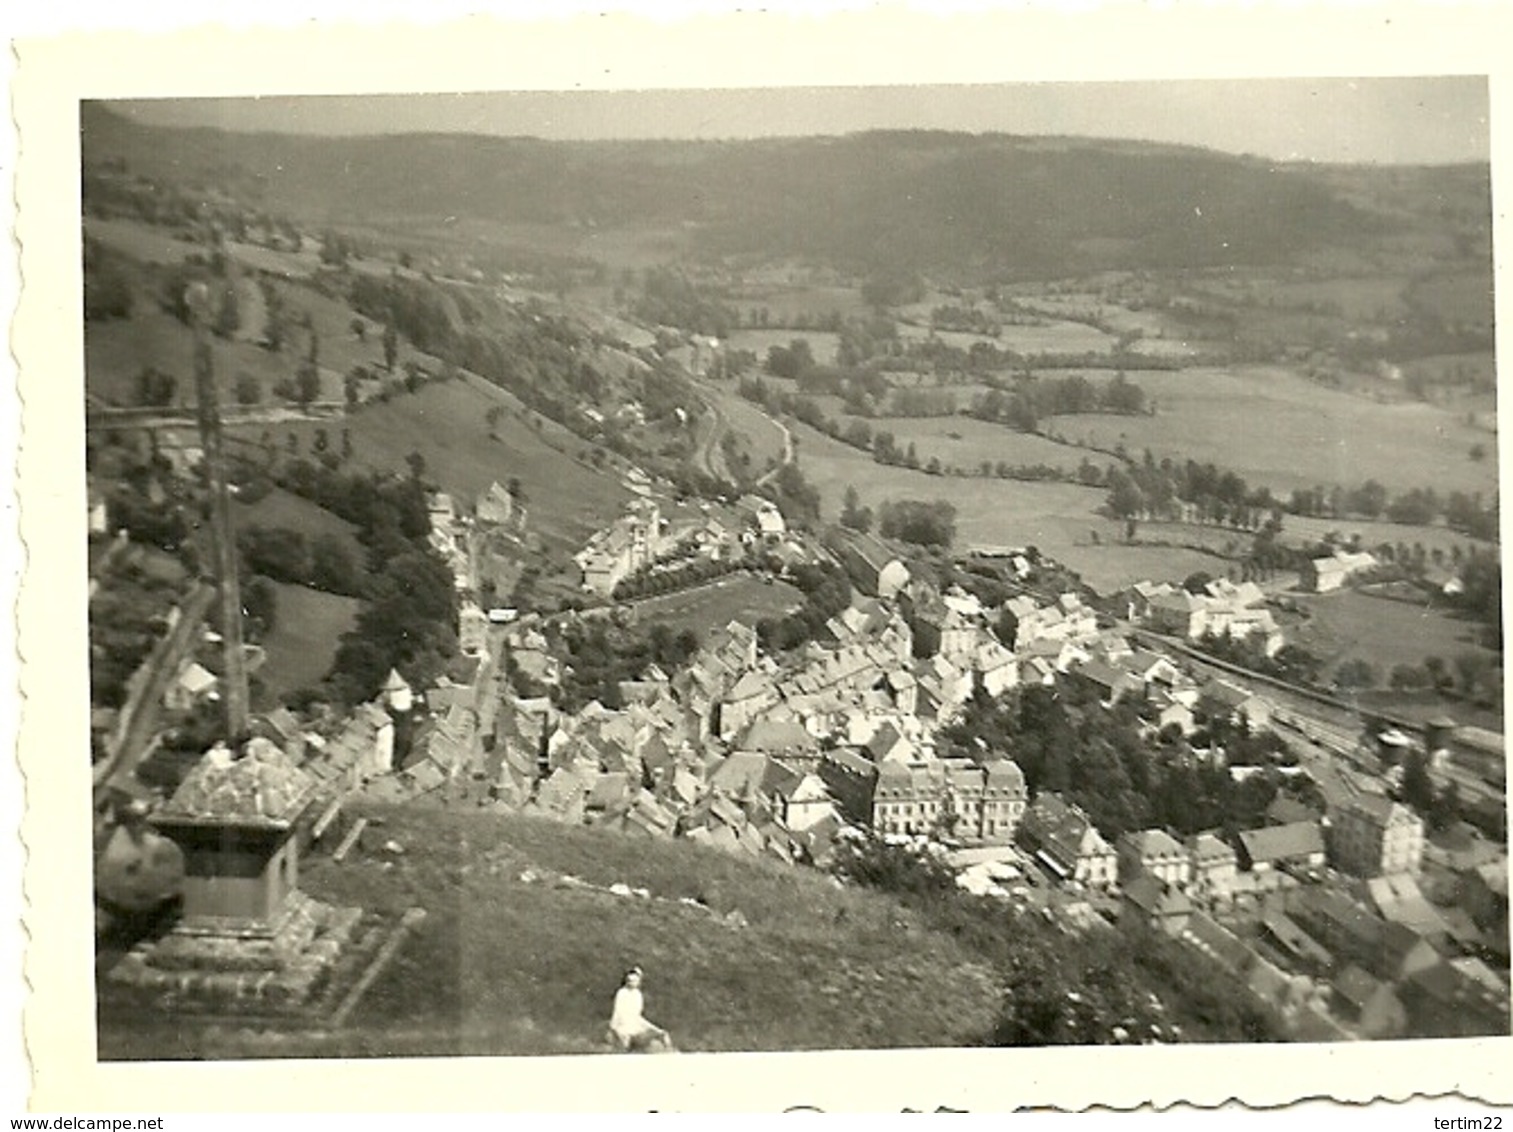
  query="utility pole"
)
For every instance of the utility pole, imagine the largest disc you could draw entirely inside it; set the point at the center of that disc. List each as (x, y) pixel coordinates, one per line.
(222, 537)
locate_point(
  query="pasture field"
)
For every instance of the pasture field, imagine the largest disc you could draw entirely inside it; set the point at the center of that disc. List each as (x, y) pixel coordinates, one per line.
(763, 435)
(1350, 625)
(743, 597)
(965, 442)
(1163, 347)
(340, 348)
(822, 343)
(303, 643)
(1272, 427)
(446, 423)
(1054, 337)
(116, 352)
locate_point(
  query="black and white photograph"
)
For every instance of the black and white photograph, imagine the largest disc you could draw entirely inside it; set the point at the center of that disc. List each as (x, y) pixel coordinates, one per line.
(635, 573)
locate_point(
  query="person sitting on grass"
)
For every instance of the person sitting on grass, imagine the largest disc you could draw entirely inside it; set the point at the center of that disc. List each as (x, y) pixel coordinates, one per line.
(629, 1030)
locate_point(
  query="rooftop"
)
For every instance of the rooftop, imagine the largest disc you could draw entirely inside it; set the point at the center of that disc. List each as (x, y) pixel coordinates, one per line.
(262, 788)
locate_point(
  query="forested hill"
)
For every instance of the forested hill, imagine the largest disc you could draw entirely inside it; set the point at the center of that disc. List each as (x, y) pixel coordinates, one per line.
(882, 200)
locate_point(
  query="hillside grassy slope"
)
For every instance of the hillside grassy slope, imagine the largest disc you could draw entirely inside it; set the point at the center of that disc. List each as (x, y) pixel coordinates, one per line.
(505, 965)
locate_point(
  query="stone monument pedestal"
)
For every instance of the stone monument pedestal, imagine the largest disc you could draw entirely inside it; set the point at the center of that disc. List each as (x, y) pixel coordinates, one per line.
(249, 942)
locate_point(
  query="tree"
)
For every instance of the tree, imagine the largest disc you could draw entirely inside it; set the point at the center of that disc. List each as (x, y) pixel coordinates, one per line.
(155, 388)
(1407, 678)
(1356, 673)
(417, 464)
(853, 514)
(307, 383)
(493, 417)
(1439, 677)
(360, 329)
(107, 290)
(249, 390)
(322, 441)
(346, 443)
(332, 566)
(391, 346)
(1416, 789)
(1197, 582)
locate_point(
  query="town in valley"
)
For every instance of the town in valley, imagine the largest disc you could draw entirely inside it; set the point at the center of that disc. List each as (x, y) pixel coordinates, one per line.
(893, 589)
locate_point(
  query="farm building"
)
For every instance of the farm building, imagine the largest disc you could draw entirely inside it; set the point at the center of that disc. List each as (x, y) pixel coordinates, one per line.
(872, 567)
(1324, 575)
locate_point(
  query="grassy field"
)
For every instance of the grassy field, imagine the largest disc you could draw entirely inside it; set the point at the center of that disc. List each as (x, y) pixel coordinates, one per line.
(1052, 338)
(741, 597)
(762, 436)
(445, 423)
(1350, 626)
(502, 966)
(1059, 519)
(965, 442)
(1272, 427)
(304, 639)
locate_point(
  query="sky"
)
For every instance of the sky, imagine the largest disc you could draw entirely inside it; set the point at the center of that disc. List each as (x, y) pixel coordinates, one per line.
(1380, 120)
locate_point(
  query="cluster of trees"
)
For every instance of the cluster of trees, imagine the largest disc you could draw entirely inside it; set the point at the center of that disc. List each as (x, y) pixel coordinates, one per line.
(652, 582)
(918, 521)
(323, 562)
(968, 319)
(795, 496)
(601, 655)
(1065, 741)
(107, 286)
(375, 504)
(1420, 506)
(125, 621)
(826, 590)
(761, 318)
(670, 298)
(853, 514)
(407, 621)
(1033, 398)
(1440, 808)
(1292, 663)
(1147, 489)
(337, 248)
(1158, 490)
